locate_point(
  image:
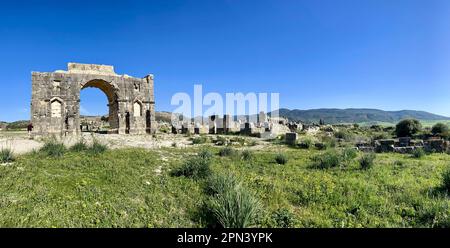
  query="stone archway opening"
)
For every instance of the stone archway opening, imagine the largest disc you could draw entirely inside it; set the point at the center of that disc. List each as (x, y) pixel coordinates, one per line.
(108, 123)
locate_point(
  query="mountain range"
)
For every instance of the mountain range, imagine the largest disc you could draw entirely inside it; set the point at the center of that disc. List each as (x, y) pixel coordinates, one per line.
(352, 115)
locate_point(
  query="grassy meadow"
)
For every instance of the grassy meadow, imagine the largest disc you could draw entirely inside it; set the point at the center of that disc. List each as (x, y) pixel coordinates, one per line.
(138, 188)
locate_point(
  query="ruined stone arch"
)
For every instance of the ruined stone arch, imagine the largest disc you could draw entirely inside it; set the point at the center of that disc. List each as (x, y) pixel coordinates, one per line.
(120, 91)
(110, 91)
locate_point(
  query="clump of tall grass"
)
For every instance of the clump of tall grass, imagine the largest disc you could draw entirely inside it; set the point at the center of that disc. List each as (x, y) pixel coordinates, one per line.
(231, 205)
(334, 158)
(328, 159)
(281, 158)
(305, 144)
(6, 155)
(247, 155)
(79, 146)
(348, 154)
(367, 161)
(227, 152)
(53, 148)
(446, 180)
(196, 167)
(418, 153)
(97, 147)
(205, 154)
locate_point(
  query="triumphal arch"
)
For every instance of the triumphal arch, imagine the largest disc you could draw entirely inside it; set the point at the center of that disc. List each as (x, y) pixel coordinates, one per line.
(55, 101)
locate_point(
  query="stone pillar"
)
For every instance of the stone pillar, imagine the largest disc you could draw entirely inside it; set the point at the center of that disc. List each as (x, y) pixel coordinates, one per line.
(291, 138)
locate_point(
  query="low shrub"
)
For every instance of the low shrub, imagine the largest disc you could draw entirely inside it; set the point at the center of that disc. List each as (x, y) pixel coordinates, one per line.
(200, 140)
(343, 135)
(6, 155)
(367, 161)
(283, 218)
(227, 151)
(281, 158)
(53, 148)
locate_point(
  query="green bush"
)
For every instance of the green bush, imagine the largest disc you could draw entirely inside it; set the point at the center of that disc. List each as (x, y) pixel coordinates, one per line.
(97, 147)
(407, 128)
(53, 148)
(232, 205)
(227, 151)
(79, 146)
(283, 218)
(418, 153)
(200, 140)
(6, 155)
(341, 134)
(367, 161)
(247, 155)
(440, 129)
(196, 167)
(281, 158)
(446, 180)
(328, 159)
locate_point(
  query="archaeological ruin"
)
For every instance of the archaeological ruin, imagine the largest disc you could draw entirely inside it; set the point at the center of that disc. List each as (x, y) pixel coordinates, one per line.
(55, 102)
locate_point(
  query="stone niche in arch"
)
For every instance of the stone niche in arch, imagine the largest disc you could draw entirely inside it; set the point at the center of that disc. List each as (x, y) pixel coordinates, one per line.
(137, 109)
(56, 108)
(55, 101)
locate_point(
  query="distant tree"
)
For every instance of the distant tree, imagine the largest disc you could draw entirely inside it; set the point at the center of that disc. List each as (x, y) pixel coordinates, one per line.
(407, 128)
(440, 129)
(321, 122)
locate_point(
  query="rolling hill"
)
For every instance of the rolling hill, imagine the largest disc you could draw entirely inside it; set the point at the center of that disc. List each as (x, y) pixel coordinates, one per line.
(332, 116)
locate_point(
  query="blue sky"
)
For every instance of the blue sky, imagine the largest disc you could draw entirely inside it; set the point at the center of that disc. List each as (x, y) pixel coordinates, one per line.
(386, 54)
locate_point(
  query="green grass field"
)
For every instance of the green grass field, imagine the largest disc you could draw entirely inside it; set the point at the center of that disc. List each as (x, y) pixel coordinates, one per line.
(135, 188)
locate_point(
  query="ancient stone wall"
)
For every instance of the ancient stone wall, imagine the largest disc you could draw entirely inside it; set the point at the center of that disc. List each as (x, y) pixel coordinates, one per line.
(55, 104)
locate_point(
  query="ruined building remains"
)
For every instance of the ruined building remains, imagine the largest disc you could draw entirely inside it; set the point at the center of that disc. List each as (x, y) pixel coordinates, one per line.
(55, 103)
